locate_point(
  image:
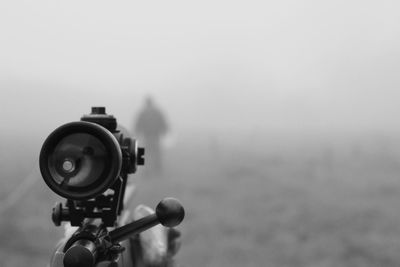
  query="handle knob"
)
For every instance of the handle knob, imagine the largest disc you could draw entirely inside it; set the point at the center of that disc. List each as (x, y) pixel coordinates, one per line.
(170, 212)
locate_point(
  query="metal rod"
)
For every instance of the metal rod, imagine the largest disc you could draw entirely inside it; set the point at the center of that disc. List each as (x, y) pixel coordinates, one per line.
(134, 228)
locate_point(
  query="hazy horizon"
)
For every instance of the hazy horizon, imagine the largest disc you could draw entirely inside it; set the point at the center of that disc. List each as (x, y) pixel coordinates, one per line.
(241, 67)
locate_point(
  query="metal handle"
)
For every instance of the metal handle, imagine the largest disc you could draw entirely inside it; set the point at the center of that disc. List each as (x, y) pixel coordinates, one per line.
(169, 212)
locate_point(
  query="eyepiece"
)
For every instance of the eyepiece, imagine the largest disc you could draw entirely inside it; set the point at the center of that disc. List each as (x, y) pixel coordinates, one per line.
(80, 160)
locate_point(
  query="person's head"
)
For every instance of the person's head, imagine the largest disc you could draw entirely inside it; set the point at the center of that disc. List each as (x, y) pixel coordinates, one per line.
(149, 101)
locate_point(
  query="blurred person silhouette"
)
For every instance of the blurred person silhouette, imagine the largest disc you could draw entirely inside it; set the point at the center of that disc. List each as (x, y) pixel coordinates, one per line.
(150, 127)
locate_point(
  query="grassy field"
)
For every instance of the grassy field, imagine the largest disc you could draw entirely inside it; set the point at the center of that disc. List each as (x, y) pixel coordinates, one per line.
(271, 204)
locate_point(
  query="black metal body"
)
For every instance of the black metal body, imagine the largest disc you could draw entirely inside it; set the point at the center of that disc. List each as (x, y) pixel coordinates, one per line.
(97, 242)
(107, 206)
(93, 243)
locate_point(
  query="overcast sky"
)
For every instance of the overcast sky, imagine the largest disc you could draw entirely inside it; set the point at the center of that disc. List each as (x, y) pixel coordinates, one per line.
(223, 65)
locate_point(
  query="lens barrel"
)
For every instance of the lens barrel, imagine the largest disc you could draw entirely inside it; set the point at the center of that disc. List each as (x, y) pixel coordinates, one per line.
(80, 160)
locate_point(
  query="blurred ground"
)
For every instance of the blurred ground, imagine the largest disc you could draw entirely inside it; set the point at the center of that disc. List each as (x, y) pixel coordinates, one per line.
(249, 204)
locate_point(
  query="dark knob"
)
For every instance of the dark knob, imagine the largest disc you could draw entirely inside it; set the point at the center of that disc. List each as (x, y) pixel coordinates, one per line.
(82, 253)
(57, 216)
(98, 110)
(140, 156)
(170, 212)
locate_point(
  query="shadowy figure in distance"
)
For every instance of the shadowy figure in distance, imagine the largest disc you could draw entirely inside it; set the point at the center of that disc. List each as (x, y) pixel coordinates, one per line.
(150, 127)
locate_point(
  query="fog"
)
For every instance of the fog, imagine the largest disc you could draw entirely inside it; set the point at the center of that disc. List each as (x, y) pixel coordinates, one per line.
(225, 66)
(284, 136)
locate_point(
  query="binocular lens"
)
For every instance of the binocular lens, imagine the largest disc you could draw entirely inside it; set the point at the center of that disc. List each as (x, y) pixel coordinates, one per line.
(78, 160)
